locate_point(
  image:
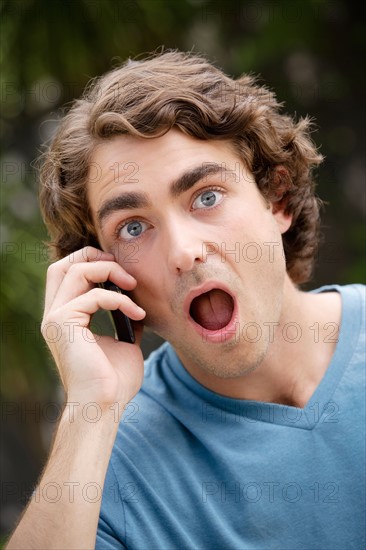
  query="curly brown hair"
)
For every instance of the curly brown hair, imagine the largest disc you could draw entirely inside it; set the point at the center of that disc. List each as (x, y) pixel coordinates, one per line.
(147, 98)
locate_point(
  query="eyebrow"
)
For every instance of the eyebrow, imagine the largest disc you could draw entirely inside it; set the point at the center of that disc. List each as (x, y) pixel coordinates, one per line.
(134, 200)
(126, 201)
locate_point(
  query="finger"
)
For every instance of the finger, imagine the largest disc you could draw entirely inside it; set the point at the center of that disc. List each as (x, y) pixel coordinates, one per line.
(82, 277)
(78, 312)
(57, 271)
(83, 307)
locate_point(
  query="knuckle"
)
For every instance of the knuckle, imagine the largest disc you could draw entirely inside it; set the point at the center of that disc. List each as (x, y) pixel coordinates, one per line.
(53, 268)
(75, 269)
(50, 319)
(96, 292)
(49, 328)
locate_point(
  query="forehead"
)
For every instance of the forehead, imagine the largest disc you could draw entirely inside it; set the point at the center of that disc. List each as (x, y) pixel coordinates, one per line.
(153, 153)
(126, 163)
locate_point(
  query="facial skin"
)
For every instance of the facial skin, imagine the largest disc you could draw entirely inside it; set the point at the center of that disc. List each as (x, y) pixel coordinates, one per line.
(175, 243)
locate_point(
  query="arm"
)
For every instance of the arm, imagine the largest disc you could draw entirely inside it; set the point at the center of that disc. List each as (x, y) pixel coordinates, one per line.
(64, 511)
(100, 376)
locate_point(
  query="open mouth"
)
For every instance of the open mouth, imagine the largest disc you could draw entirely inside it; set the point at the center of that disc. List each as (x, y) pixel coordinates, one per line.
(212, 310)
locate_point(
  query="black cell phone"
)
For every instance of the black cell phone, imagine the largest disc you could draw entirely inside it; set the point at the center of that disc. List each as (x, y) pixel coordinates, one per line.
(121, 322)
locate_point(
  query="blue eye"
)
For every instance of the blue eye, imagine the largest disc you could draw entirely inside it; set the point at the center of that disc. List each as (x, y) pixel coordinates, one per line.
(207, 198)
(132, 230)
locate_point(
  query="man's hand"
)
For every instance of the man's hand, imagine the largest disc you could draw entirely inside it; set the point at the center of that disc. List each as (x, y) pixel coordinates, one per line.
(92, 368)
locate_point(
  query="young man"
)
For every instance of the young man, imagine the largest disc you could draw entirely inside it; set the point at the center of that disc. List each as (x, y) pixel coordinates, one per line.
(194, 194)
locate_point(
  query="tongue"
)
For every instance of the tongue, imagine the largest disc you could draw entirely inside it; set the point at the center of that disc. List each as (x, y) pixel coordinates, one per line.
(212, 310)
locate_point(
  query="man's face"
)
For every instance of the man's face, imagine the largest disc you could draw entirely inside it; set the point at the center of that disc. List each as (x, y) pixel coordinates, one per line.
(185, 218)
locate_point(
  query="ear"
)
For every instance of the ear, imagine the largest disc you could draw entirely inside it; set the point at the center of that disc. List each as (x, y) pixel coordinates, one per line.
(283, 219)
(282, 184)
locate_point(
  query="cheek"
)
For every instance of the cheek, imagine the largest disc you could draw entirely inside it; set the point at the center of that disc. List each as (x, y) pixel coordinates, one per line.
(156, 305)
(149, 291)
(128, 255)
(255, 242)
(139, 263)
(248, 226)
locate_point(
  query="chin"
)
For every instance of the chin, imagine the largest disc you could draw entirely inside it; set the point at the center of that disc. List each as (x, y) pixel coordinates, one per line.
(230, 361)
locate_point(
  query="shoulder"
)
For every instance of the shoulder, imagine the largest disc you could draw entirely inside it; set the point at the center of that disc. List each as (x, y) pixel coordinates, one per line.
(345, 297)
(351, 292)
(353, 329)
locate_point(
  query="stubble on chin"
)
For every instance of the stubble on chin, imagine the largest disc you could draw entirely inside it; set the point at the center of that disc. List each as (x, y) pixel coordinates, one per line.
(226, 361)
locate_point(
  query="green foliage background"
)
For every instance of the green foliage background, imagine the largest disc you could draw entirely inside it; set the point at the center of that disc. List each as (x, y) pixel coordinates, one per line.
(310, 52)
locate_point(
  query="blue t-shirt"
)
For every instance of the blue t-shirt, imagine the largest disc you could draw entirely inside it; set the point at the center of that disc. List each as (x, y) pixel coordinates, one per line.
(192, 469)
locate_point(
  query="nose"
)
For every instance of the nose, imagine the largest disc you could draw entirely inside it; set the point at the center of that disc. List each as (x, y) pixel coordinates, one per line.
(184, 246)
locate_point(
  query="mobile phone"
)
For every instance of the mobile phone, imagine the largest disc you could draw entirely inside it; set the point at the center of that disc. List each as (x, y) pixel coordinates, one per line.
(122, 323)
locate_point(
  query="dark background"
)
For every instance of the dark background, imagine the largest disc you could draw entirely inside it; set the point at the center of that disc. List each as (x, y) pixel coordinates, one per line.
(310, 52)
